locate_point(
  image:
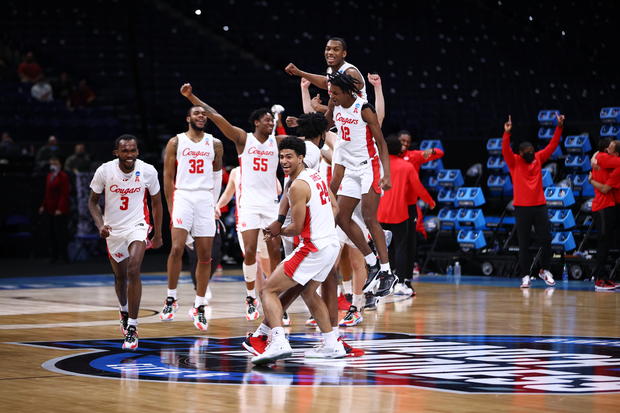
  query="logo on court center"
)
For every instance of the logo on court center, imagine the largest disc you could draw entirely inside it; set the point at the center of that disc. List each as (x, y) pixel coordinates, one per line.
(461, 364)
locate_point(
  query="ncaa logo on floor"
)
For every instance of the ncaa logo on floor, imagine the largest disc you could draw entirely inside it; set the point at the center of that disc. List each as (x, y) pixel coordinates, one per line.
(456, 363)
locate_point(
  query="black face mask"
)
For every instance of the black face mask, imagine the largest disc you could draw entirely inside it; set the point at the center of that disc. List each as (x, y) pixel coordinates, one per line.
(528, 157)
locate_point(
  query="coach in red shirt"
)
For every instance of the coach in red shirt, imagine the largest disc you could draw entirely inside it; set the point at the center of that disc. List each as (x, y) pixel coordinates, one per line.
(393, 211)
(529, 199)
(605, 177)
(55, 209)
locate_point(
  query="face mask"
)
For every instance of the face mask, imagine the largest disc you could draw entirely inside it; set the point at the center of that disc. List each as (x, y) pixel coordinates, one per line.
(54, 168)
(528, 157)
(321, 143)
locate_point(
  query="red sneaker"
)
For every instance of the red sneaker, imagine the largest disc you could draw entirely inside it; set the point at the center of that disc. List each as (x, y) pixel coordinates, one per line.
(604, 285)
(343, 303)
(351, 352)
(255, 345)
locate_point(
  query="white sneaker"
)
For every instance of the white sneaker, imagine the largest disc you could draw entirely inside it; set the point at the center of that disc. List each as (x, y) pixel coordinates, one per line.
(526, 282)
(547, 277)
(286, 320)
(323, 352)
(402, 289)
(276, 350)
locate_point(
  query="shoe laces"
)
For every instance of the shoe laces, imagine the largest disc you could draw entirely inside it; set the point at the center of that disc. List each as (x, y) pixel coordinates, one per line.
(201, 314)
(132, 332)
(350, 313)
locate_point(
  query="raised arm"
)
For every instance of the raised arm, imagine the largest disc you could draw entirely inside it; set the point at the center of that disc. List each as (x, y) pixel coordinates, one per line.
(546, 153)
(170, 170)
(375, 81)
(306, 100)
(234, 133)
(506, 149)
(317, 80)
(370, 117)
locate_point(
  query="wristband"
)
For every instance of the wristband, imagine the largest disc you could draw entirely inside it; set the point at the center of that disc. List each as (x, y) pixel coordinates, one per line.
(281, 218)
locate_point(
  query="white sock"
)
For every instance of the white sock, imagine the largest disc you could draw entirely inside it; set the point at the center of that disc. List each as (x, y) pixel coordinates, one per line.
(336, 330)
(347, 287)
(385, 267)
(277, 333)
(198, 301)
(124, 308)
(358, 301)
(251, 293)
(330, 339)
(172, 293)
(205, 300)
(133, 322)
(262, 330)
(371, 259)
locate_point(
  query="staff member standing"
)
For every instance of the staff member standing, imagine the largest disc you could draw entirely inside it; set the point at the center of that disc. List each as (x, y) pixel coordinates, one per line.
(529, 199)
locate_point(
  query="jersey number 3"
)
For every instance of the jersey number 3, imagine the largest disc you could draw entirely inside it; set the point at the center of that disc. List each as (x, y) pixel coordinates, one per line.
(124, 203)
(196, 166)
(260, 164)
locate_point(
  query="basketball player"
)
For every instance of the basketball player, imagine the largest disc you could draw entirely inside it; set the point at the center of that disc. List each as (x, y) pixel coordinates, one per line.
(125, 224)
(312, 219)
(358, 164)
(192, 183)
(258, 159)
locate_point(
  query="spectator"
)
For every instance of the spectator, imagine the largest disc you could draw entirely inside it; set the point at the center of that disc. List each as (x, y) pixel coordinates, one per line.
(46, 152)
(8, 148)
(82, 96)
(55, 209)
(29, 70)
(79, 161)
(63, 87)
(42, 90)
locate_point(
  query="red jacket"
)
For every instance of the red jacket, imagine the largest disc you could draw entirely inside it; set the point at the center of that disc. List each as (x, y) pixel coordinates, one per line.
(527, 177)
(406, 186)
(601, 175)
(57, 191)
(610, 163)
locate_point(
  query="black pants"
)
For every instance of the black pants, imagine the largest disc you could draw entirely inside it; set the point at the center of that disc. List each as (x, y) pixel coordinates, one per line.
(412, 240)
(606, 223)
(58, 235)
(536, 216)
(398, 250)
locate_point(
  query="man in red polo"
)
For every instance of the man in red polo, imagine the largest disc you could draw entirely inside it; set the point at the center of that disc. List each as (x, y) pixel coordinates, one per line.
(529, 199)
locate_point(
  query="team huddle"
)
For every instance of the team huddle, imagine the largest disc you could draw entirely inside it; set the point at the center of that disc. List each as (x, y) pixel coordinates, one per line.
(328, 204)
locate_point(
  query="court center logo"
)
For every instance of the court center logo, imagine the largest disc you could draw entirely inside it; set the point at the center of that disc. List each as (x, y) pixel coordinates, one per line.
(462, 364)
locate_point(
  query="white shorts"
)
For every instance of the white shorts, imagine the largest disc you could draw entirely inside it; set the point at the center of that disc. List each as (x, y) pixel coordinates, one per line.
(310, 263)
(359, 220)
(261, 245)
(288, 243)
(357, 182)
(118, 242)
(193, 211)
(256, 219)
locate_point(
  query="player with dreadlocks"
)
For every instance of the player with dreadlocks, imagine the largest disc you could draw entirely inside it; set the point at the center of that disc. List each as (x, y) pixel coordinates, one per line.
(356, 160)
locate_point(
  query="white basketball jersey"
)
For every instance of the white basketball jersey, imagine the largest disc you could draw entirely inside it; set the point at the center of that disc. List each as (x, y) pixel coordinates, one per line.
(345, 66)
(125, 194)
(195, 163)
(319, 225)
(355, 144)
(259, 164)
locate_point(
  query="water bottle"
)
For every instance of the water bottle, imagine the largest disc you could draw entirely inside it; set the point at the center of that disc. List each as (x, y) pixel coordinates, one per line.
(565, 274)
(449, 270)
(457, 268)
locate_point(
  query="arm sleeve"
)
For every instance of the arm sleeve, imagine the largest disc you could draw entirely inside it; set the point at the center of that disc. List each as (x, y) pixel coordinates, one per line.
(606, 160)
(507, 151)
(153, 182)
(438, 154)
(98, 182)
(418, 188)
(546, 153)
(416, 158)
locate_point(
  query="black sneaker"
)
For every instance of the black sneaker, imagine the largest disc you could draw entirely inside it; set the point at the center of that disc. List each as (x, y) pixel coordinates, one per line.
(372, 280)
(387, 280)
(124, 321)
(371, 302)
(131, 338)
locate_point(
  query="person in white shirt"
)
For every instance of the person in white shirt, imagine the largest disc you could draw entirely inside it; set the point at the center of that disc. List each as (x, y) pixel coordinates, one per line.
(125, 183)
(312, 208)
(258, 199)
(192, 183)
